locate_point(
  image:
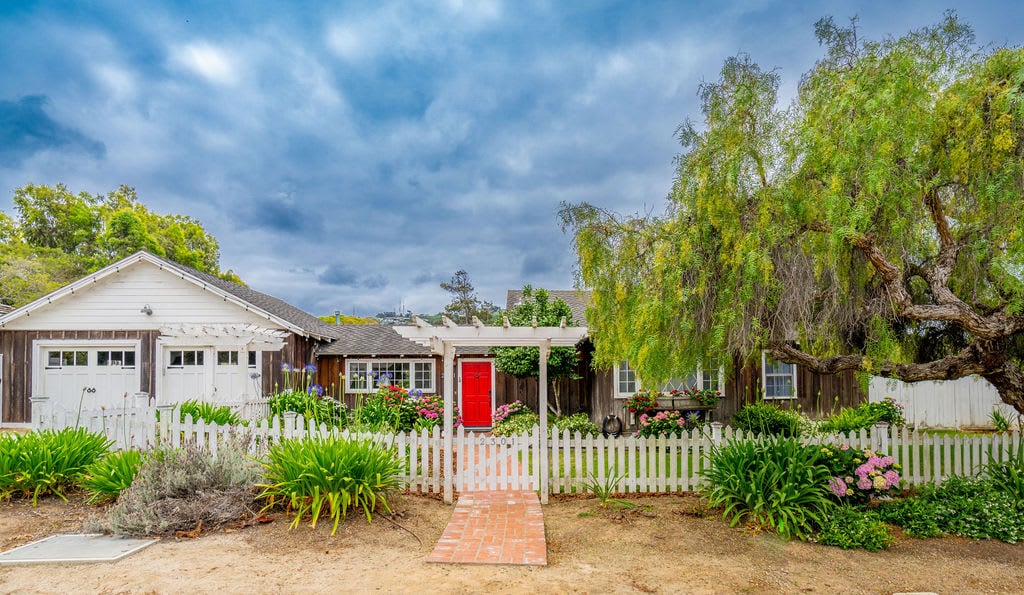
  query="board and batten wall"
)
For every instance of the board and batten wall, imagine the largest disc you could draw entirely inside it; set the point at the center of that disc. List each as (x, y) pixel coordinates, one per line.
(961, 403)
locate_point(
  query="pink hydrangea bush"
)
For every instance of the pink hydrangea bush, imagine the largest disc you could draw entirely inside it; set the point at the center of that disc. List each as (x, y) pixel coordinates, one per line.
(858, 475)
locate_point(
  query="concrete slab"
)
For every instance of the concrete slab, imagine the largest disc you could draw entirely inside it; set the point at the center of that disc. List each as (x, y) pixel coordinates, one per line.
(79, 548)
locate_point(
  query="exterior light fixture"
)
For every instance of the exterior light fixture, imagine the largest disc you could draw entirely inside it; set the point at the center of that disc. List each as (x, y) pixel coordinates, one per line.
(147, 310)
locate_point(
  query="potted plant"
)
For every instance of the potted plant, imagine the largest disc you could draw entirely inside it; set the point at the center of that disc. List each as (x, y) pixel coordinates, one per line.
(643, 401)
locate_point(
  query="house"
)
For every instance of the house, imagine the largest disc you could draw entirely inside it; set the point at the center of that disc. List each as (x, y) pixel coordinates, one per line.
(603, 392)
(147, 327)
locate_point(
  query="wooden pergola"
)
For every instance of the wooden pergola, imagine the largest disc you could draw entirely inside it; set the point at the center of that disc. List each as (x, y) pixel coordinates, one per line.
(442, 340)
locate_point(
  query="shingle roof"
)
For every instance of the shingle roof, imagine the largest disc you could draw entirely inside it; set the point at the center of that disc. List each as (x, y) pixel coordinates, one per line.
(370, 339)
(265, 302)
(576, 299)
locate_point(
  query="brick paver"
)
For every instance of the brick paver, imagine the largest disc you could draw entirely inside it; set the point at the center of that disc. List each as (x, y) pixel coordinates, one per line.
(494, 527)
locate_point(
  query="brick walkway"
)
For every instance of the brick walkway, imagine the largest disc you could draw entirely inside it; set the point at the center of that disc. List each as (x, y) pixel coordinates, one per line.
(496, 527)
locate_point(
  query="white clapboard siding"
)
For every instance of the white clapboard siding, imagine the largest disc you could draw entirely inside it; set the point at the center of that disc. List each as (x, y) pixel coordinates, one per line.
(115, 303)
(961, 403)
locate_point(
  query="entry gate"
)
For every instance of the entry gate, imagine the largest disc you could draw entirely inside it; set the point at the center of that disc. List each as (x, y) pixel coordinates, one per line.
(486, 462)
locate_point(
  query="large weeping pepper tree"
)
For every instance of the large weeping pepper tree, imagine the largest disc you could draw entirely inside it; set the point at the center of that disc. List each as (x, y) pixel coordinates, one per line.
(875, 225)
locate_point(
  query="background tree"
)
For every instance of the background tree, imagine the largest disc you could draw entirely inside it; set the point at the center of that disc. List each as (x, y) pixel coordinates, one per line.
(874, 226)
(59, 236)
(465, 304)
(524, 362)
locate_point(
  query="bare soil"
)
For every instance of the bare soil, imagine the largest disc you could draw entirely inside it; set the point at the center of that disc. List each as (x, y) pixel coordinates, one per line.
(670, 544)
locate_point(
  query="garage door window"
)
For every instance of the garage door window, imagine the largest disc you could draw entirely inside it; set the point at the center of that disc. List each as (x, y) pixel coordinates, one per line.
(119, 359)
(67, 359)
(227, 358)
(182, 359)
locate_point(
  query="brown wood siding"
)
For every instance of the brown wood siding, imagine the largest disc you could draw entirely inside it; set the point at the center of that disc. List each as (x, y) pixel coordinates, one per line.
(16, 347)
(575, 395)
(297, 352)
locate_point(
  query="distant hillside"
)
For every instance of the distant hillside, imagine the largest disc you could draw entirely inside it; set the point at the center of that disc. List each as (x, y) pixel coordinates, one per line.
(346, 319)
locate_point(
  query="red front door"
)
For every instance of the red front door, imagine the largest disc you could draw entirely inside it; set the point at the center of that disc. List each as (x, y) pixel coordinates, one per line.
(476, 394)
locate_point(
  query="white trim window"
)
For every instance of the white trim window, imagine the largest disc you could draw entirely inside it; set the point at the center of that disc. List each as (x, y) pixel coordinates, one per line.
(67, 359)
(364, 375)
(116, 358)
(777, 378)
(627, 383)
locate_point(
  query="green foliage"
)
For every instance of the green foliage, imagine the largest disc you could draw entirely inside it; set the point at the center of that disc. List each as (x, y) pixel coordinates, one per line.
(642, 401)
(576, 423)
(59, 236)
(524, 362)
(310, 405)
(181, 489)
(465, 304)
(851, 222)
(851, 528)
(330, 476)
(975, 508)
(1008, 475)
(864, 417)
(516, 425)
(916, 516)
(210, 413)
(775, 482)
(47, 461)
(107, 477)
(604, 489)
(1000, 422)
(346, 319)
(860, 474)
(764, 419)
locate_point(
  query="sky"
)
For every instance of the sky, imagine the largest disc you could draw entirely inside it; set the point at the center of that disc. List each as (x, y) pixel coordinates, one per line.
(352, 155)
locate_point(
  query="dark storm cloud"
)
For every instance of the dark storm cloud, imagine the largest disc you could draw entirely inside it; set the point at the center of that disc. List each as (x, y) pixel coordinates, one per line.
(339, 274)
(26, 129)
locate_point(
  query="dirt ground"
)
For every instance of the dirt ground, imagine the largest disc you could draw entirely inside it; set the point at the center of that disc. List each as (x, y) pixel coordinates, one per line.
(669, 547)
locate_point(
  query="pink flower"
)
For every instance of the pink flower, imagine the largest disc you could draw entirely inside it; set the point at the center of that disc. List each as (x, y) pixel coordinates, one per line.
(844, 447)
(864, 483)
(863, 471)
(838, 486)
(891, 478)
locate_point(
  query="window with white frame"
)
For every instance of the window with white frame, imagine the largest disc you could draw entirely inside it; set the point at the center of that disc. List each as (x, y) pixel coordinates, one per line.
(67, 359)
(185, 358)
(123, 359)
(227, 358)
(627, 382)
(777, 378)
(364, 376)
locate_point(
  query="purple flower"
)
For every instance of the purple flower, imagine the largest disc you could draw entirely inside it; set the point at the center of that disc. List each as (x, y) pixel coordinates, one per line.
(286, 368)
(864, 483)
(310, 369)
(838, 486)
(316, 389)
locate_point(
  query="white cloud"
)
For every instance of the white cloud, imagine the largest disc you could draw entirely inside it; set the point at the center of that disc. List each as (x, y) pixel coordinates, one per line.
(215, 64)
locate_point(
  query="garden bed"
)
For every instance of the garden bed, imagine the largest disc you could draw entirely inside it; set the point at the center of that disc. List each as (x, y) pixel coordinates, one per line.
(675, 545)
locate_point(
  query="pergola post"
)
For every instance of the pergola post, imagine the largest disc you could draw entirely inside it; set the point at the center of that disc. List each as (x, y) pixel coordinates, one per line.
(545, 350)
(449, 421)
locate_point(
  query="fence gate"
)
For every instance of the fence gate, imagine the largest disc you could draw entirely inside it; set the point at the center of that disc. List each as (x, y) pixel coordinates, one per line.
(496, 462)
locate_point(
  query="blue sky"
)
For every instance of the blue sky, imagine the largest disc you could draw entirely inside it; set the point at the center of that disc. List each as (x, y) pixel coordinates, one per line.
(353, 155)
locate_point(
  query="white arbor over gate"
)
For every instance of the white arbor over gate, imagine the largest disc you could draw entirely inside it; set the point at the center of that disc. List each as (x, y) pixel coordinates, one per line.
(442, 340)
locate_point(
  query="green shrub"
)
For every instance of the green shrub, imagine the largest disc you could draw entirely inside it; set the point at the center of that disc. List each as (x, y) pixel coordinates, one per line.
(329, 476)
(850, 528)
(107, 477)
(762, 418)
(576, 423)
(775, 482)
(47, 461)
(209, 413)
(310, 405)
(975, 508)
(1008, 476)
(182, 489)
(515, 425)
(865, 416)
(917, 516)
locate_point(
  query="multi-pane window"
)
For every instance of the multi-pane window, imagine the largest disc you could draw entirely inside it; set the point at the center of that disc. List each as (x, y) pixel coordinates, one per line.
(227, 358)
(367, 375)
(66, 359)
(625, 380)
(122, 359)
(184, 358)
(627, 383)
(252, 359)
(779, 378)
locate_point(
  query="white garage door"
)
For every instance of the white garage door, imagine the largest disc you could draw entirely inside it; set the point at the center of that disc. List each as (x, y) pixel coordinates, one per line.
(88, 375)
(204, 373)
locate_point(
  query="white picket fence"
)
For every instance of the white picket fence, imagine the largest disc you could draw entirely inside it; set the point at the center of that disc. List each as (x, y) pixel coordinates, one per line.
(484, 462)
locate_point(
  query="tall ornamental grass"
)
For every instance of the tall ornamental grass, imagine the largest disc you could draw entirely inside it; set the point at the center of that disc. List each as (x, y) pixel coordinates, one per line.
(46, 462)
(775, 482)
(329, 476)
